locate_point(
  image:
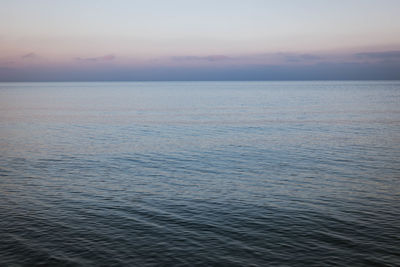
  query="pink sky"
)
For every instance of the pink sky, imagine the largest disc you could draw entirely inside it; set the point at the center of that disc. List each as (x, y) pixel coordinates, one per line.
(114, 35)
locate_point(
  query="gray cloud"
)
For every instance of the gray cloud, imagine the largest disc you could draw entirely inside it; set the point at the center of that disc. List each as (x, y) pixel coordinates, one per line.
(211, 58)
(299, 57)
(95, 59)
(388, 70)
(360, 66)
(30, 55)
(385, 55)
(7, 62)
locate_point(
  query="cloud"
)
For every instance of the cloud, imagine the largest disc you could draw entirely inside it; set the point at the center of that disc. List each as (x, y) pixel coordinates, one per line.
(5, 69)
(211, 58)
(385, 55)
(7, 62)
(30, 55)
(96, 59)
(388, 70)
(268, 66)
(299, 57)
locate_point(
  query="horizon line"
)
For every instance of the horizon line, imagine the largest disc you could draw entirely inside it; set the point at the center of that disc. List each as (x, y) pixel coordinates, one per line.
(278, 80)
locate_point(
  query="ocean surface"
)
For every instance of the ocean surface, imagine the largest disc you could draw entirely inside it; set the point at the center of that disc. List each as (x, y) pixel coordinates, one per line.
(200, 174)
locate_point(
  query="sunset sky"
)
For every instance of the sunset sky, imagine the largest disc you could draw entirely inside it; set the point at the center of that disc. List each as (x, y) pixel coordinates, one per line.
(199, 40)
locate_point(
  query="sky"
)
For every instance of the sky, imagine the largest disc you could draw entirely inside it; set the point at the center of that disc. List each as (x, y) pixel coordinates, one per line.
(103, 40)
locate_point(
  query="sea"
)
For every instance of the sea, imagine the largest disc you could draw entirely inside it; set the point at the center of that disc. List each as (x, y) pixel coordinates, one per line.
(298, 173)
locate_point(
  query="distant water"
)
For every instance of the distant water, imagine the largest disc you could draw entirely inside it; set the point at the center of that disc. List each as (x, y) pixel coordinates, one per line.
(200, 173)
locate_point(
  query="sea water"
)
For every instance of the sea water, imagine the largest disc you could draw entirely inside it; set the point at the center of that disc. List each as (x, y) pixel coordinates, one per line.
(200, 173)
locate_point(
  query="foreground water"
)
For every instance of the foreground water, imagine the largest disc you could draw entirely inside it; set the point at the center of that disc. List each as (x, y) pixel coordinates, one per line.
(200, 173)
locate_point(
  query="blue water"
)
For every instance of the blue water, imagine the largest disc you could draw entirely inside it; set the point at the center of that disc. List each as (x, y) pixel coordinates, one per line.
(200, 173)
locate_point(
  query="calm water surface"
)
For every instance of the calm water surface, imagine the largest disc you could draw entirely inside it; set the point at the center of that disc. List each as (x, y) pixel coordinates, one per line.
(200, 173)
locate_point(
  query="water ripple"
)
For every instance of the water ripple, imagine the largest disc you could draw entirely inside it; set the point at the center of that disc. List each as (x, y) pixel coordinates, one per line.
(286, 174)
